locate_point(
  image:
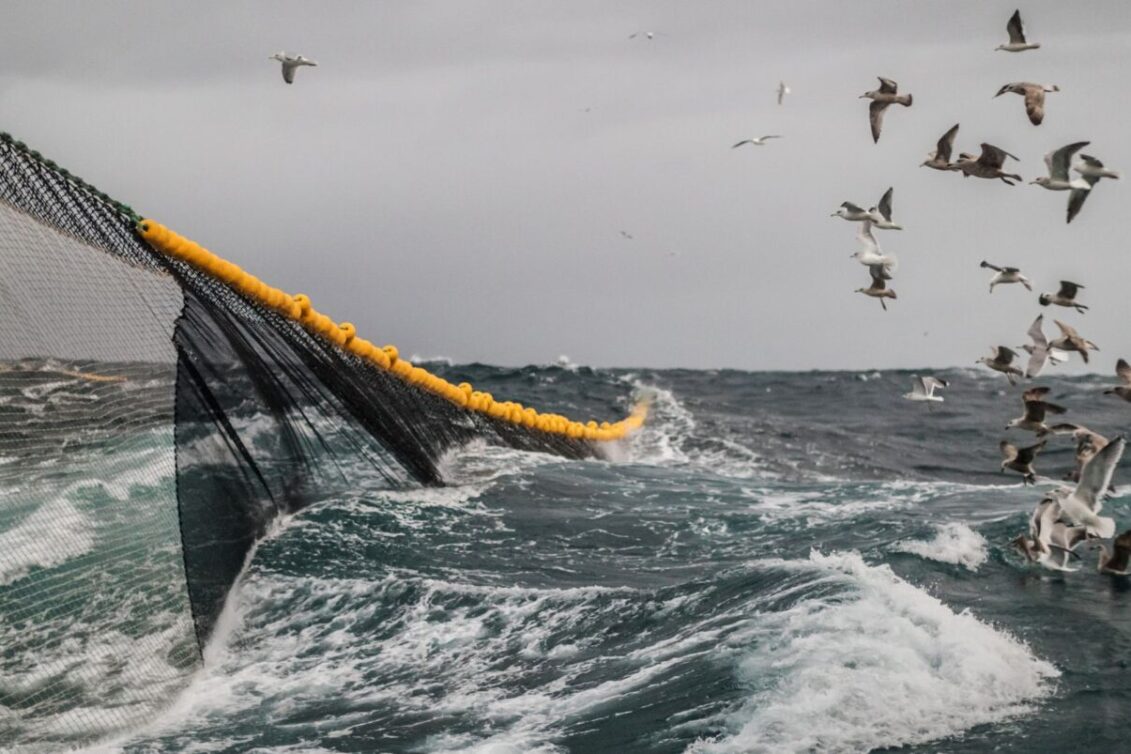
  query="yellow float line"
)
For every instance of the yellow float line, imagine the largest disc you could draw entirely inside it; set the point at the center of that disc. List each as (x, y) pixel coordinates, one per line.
(344, 336)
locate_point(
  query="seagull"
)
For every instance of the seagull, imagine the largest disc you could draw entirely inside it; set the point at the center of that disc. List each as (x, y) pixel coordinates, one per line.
(1058, 162)
(1082, 505)
(1123, 372)
(881, 213)
(923, 389)
(1016, 31)
(647, 34)
(940, 158)
(1050, 542)
(1034, 95)
(1002, 361)
(291, 64)
(782, 91)
(1118, 561)
(881, 98)
(757, 141)
(1006, 275)
(1088, 443)
(1066, 296)
(1039, 352)
(852, 212)
(878, 289)
(1070, 340)
(986, 165)
(870, 254)
(1093, 168)
(1035, 409)
(1021, 459)
(626, 235)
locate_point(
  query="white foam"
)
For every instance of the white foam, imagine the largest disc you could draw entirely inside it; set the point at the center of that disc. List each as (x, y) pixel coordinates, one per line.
(51, 535)
(884, 664)
(954, 543)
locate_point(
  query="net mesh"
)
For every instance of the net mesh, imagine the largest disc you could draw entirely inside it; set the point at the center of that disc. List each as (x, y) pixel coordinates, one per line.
(154, 422)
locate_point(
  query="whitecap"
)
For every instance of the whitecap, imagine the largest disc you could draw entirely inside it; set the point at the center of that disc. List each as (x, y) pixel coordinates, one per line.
(954, 543)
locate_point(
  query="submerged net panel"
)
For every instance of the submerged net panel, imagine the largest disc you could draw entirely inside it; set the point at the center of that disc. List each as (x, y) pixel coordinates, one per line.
(159, 410)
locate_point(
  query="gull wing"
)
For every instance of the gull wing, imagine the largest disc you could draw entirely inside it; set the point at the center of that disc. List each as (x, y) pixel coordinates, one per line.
(1008, 450)
(1068, 331)
(885, 204)
(1077, 197)
(993, 157)
(930, 383)
(989, 266)
(887, 86)
(877, 272)
(867, 238)
(946, 144)
(1096, 475)
(1015, 28)
(1068, 289)
(1026, 455)
(1035, 104)
(1058, 161)
(851, 207)
(876, 118)
(1005, 355)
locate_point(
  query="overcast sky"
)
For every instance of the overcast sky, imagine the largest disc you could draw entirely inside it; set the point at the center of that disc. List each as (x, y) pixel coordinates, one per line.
(453, 176)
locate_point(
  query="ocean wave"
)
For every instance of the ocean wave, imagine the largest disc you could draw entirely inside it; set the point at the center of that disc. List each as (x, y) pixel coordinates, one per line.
(882, 665)
(954, 543)
(52, 534)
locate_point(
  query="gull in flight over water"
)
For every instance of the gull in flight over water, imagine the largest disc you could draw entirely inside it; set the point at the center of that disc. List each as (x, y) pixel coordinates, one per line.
(1051, 543)
(1034, 95)
(758, 141)
(1006, 275)
(923, 389)
(291, 64)
(870, 255)
(1118, 561)
(881, 98)
(1016, 31)
(1070, 340)
(878, 289)
(1081, 506)
(940, 158)
(1002, 361)
(1039, 351)
(1066, 296)
(782, 91)
(1035, 410)
(1123, 372)
(986, 165)
(1021, 459)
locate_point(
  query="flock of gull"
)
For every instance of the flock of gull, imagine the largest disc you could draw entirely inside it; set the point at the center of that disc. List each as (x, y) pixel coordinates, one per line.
(1068, 517)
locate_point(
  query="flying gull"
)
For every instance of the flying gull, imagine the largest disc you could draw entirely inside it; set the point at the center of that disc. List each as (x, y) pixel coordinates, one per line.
(1002, 361)
(1088, 443)
(757, 141)
(1050, 542)
(940, 158)
(1081, 506)
(881, 98)
(1035, 410)
(646, 34)
(291, 64)
(923, 389)
(986, 165)
(878, 289)
(1016, 31)
(1058, 162)
(1034, 95)
(1070, 340)
(870, 255)
(1006, 275)
(1039, 351)
(782, 91)
(1123, 372)
(1118, 561)
(1021, 459)
(1066, 296)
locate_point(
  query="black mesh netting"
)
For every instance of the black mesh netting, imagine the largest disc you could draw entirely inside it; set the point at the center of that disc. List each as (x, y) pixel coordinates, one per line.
(153, 423)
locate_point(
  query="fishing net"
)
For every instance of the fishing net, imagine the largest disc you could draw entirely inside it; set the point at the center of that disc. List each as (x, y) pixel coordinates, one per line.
(159, 409)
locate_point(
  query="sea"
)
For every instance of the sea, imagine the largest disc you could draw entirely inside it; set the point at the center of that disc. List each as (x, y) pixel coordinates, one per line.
(777, 562)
